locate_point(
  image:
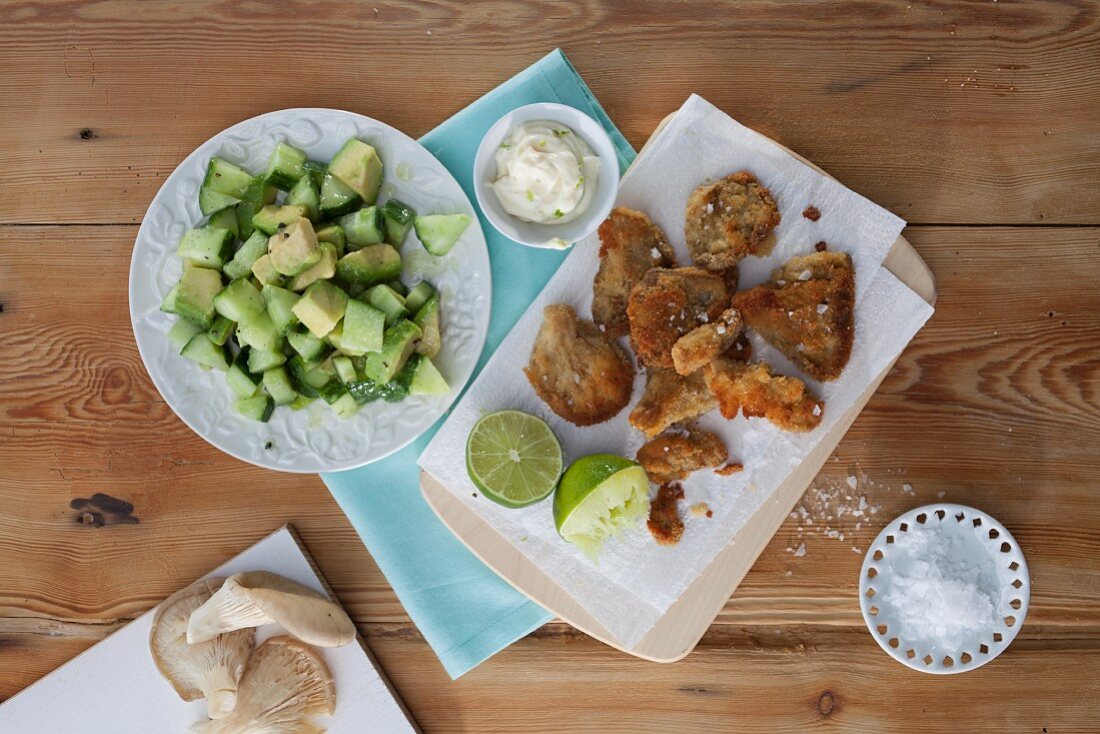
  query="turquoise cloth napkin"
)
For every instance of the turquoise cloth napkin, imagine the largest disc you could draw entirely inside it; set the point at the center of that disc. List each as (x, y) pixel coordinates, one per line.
(463, 609)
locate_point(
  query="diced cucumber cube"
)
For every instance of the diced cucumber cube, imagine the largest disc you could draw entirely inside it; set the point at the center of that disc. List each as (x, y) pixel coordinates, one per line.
(307, 345)
(427, 318)
(336, 198)
(323, 269)
(239, 301)
(258, 408)
(280, 304)
(242, 381)
(278, 386)
(398, 344)
(285, 167)
(181, 333)
(270, 217)
(294, 248)
(400, 289)
(195, 294)
(260, 333)
(220, 330)
(207, 246)
(316, 171)
(226, 219)
(346, 406)
(252, 250)
(260, 361)
(439, 232)
(257, 195)
(427, 380)
(363, 227)
(358, 167)
(398, 216)
(418, 296)
(223, 186)
(388, 301)
(302, 401)
(332, 391)
(205, 352)
(305, 193)
(345, 370)
(168, 305)
(321, 307)
(370, 265)
(300, 372)
(363, 329)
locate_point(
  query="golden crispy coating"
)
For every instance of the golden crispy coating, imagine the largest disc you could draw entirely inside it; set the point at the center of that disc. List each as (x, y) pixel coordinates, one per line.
(807, 312)
(665, 523)
(758, 393)
(583, 375)
(741, 351)
(670, 398)
(728, 220)
(699, 346)
(734, 467)
(671, 457)
(669, 303)
(630, 245)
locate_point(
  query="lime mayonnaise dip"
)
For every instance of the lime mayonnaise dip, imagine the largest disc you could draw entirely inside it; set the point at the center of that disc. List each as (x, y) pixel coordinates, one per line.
(545, 173)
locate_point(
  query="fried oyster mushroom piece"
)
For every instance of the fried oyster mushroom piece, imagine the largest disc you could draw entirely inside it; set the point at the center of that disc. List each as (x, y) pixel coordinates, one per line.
(286, 683)
(669, 303)
(670, 398)
(630, 245)
(755, 391)
(807, 311)
(673, 456)
(577, 370)
(695, 349)
(210, 669)
(728, 220)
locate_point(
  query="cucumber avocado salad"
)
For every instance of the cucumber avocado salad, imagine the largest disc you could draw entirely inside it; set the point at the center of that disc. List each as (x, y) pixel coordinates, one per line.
(299, 295)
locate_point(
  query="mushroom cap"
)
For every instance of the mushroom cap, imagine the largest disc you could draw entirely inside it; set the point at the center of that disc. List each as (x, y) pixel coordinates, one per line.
(286, 682)
(255, 598)
(210, 669)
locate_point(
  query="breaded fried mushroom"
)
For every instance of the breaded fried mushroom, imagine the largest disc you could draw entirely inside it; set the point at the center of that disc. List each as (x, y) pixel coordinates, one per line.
(755, 391)
(728, 220)
(630, 245)
(577, 370)
(673, 456)
(807, 311)
(664, 523)
(669, 303)
(670, 398)
(698, 347)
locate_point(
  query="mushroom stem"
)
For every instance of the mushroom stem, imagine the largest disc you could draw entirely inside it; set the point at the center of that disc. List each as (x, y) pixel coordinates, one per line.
(220, 690)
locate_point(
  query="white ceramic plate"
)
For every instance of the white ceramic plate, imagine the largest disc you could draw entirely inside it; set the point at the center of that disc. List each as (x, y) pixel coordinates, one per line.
(978, 539)
(314, 439)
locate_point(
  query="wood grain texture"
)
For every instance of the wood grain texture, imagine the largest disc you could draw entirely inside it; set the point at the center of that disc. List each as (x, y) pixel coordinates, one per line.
(1006, 421)
(947, 111)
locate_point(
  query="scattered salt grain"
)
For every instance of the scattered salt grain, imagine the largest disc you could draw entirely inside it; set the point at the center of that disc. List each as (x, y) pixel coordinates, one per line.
(817, 410)
(940, 494)
(805, 275)
(655, 253)
(822, 307)
(851, 481)
(801, 551)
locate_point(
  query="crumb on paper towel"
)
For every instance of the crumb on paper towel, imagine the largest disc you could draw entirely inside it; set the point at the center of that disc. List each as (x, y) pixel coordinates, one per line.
(701, 509)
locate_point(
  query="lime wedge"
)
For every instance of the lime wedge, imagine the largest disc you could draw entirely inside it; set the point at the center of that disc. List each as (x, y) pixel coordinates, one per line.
(513, 458)
(599, 496)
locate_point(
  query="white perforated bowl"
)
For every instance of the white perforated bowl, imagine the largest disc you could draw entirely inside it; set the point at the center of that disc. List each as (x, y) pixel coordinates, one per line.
(981, 534)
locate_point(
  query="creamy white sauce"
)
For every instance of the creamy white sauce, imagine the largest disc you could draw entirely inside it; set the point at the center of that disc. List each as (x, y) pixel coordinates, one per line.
(545, 173)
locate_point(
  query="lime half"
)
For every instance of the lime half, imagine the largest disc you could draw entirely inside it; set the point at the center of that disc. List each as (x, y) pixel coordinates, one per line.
(599, 496)
(513, 458)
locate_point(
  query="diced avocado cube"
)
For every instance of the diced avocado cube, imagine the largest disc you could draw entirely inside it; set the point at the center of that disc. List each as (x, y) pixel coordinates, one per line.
(258, 408)
(223, 186)
(398, 343)
(205, 352)
(195, 295)
(373, 264)
(207, 246)
(363, 329)
(363, 227)
(427, 318)
(270, 217)
(260, 361)
(439, 232)
(306, 194)
(239, 301)
(427, 380)
(336, 198)
(294, 248)
(181, 333)
(307, 345)
(418, 296)
(333, 233)
(252, 250)
(321, 307)
(242, 381)
(278, 386)
(358, 167)
(285, 167)
(225, 219)
(280, 307)
(265, 271)
(388, 301)
(220, 330)
(260, 333)
(323, 269)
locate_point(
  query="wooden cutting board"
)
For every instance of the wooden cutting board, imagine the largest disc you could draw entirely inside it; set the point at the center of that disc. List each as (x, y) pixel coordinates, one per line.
(684, 623)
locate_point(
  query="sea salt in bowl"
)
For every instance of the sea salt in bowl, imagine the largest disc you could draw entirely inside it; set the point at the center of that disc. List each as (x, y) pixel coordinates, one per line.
(944, 588)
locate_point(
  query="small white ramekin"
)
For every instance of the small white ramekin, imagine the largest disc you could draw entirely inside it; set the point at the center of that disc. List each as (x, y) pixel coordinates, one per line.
(556, 236)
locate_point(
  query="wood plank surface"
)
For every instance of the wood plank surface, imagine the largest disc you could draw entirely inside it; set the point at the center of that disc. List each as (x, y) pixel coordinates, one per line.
(946, 111)
(955, 114)
(995, 403)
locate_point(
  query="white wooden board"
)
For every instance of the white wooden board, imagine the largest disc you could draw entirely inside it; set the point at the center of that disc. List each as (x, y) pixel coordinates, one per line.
(114, 688)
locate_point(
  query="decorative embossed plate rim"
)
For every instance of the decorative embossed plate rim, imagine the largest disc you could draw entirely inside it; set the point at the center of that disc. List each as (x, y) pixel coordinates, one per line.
(314, 439)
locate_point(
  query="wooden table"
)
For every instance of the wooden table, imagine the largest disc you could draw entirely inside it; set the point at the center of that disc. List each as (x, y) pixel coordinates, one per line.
(976, 121)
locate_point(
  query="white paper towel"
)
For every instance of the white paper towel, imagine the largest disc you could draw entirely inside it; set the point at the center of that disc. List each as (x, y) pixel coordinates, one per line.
(635, 580)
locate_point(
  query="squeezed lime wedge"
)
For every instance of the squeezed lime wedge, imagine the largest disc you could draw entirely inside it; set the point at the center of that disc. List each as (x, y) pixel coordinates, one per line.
(599, 496)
